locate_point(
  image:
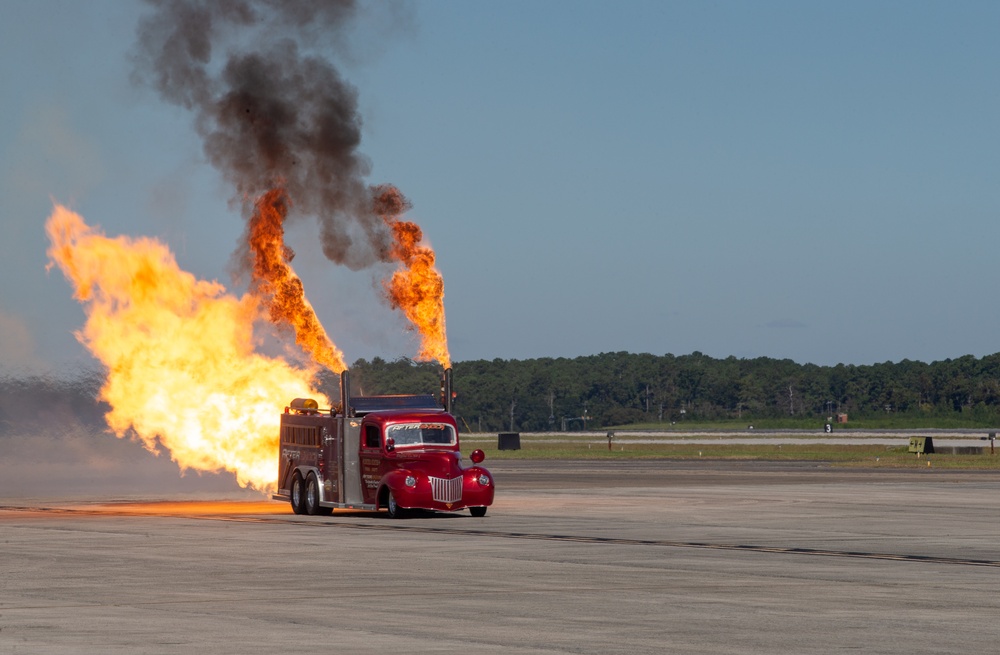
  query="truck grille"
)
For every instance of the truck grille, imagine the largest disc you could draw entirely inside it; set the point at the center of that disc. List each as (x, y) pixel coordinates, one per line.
(447, 491)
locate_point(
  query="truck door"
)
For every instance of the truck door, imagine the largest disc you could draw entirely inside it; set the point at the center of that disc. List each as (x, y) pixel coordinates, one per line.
(332, 444)
(351, 474)
(370, 455)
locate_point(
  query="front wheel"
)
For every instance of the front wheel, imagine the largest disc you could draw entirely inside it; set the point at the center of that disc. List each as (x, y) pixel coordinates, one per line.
(477, 511)
(395, 511)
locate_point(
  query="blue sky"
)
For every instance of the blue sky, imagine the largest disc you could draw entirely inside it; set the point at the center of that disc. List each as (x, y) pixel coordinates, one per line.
(815, 181)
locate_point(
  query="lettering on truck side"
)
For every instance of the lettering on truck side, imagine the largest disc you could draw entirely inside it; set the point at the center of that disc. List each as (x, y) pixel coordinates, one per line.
(369, 471)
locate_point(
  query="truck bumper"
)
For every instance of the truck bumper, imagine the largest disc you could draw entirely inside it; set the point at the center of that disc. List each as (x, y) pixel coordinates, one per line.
(423, 495)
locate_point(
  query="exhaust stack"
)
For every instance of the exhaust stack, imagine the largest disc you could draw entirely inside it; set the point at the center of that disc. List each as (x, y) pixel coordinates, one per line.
(345, 393)
(446, 395)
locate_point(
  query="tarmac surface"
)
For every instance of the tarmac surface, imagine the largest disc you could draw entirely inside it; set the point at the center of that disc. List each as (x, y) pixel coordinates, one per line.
(574, 557)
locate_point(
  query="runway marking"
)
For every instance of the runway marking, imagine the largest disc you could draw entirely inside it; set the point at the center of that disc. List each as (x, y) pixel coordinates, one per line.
(534, 536)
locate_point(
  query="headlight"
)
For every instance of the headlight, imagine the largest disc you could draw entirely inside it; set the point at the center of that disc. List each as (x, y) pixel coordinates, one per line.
(484, 479)
(410, 481)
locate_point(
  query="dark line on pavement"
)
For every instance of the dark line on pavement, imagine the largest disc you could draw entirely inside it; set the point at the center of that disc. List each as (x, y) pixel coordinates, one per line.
(563, 538)
(925, 559)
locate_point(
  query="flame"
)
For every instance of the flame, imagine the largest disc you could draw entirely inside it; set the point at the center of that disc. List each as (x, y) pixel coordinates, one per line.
(277, 285)
(418, 288)
(182, 371)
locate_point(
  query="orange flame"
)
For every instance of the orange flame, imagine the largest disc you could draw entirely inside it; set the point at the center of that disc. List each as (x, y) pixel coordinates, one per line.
(279, 287)
(418, 288)
(182, 371)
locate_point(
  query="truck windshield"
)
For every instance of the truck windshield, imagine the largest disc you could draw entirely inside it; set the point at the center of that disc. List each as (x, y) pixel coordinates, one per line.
(409, 434)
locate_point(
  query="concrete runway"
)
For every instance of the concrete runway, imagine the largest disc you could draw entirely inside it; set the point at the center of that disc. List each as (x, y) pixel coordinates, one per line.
(574, 557)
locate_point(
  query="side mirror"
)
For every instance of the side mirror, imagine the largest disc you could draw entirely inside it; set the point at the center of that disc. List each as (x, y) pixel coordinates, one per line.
(477, 456)
(390, 444)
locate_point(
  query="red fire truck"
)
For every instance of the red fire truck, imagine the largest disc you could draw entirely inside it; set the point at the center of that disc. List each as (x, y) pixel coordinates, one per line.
(399, 453)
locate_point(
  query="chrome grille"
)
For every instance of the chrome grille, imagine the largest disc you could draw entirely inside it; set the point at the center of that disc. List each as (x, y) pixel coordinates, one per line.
(446, 491)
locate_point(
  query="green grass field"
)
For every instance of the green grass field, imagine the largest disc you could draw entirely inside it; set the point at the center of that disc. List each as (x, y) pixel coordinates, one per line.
(888, 422)
(870, 456)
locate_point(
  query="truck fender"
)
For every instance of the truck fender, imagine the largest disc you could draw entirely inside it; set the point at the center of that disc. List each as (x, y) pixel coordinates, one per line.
(392, 481)
(476, 471)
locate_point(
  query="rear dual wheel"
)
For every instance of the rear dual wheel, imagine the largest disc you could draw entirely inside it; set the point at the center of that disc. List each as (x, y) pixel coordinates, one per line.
(298, 495)
(312, 498)
(305, 496)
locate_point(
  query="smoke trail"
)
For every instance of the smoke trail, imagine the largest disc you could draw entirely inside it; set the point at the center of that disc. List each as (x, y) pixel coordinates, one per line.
(272, 116)
(279, 120)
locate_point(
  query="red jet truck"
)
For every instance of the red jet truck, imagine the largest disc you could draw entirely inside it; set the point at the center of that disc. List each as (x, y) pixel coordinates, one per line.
(397, 453)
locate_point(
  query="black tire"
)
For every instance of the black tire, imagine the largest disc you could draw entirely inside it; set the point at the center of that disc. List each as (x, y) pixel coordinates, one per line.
(312, 496)
(477, 511)
(395, 511)
(298, 495)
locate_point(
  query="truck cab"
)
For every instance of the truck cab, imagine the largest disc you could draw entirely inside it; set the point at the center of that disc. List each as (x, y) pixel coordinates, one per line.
(397, 453)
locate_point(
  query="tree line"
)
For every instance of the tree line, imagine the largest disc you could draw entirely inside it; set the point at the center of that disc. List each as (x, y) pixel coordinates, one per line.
(624, 388)
(607, 389)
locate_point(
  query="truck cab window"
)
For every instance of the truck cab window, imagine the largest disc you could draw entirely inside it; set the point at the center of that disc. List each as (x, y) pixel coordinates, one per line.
(409, 434)
(372, 436)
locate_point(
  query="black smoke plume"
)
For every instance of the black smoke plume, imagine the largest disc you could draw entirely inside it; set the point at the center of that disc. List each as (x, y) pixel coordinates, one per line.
(272, 110)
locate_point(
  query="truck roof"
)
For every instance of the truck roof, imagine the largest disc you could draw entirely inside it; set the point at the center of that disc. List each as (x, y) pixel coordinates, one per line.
(365, 404)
